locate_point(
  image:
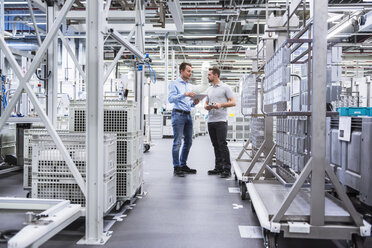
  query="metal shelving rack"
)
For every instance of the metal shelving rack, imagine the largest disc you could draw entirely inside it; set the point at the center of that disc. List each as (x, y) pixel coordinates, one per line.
(92, 189)
(304, 209)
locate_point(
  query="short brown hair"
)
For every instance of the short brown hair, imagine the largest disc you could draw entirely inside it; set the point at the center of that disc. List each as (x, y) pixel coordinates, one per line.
(183, 66)
(215, 71)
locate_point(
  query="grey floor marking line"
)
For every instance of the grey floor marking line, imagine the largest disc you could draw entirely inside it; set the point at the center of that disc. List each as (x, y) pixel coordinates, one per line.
(250, 232)
(234, 190)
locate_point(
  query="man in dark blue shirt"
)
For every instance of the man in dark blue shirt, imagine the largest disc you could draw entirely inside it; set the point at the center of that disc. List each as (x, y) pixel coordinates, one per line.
(180, 94)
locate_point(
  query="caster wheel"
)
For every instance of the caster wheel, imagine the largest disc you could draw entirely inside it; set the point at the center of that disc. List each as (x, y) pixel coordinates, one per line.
(243, 191)
(356, 242)
(368, 218)
(28, 195)
(270, 239)
(146, 148)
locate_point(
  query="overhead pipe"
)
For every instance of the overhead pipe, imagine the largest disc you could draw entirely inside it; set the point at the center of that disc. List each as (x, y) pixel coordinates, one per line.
(224, 33)
(230, 37)
(166, 42)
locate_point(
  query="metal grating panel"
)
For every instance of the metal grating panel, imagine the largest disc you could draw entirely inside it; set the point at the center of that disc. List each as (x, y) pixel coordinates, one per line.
(27, 176)
(47, 161)
(129, 180)
(67, 189)
(118, 117)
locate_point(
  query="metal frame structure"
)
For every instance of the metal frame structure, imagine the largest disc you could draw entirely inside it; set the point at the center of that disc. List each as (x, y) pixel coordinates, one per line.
(268, 147)
(313, 214)
(40, 227)
(94, 200)
(94, 76)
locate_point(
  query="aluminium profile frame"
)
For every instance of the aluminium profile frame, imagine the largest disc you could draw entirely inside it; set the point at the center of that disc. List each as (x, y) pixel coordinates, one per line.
(94, 223)
(57, 215)
(318, 166)
(24, 85)
(125, 42)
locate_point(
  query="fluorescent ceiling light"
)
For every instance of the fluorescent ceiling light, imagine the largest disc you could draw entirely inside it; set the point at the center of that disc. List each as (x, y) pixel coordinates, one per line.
(248, 46)
(198, 36)
(199, 46)
(282, 1)
(38, 23)
(201, 55)
(200, 23)
(75, 36)
(5, 3)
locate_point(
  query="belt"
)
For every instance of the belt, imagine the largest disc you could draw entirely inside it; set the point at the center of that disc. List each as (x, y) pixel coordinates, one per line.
(182, 111)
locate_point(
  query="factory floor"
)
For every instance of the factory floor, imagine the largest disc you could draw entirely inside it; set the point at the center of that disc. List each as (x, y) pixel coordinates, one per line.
(195, 211)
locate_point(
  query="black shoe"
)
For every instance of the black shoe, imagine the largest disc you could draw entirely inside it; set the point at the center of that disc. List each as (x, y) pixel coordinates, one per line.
(188, 170)
(214, 172)
(178, 172)
(225, 174)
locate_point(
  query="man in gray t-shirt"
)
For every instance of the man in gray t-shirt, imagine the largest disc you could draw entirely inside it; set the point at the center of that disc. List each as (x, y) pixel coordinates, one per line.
(219, 97)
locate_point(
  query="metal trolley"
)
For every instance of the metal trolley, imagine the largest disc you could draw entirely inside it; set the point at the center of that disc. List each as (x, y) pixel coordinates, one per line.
(309, 201)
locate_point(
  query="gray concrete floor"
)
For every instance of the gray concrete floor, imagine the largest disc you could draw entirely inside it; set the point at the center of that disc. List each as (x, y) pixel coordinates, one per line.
(195, 211)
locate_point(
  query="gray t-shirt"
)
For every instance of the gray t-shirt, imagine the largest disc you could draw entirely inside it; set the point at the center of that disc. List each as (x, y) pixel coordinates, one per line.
(219, 93)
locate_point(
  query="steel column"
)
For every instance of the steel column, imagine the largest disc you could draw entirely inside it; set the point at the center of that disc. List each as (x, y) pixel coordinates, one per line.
(140, 44)
(368, 92)
(2, 17)
(173, 65)
(318, 139)
(269, 121)
(94, 199)
(52, 82)
(166, 56)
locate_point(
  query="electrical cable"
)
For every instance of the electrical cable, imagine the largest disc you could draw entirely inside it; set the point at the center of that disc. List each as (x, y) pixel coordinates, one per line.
(5, 102)
(153, 79)
(43, 79)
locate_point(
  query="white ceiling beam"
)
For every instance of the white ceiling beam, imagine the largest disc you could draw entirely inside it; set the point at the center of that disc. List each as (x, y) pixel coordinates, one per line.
(41, 5)
(292, 9)
(176, 11)
(112, 15)
(149, 28)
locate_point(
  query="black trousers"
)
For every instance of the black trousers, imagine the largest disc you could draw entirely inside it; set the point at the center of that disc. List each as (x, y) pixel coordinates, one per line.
(217, 133)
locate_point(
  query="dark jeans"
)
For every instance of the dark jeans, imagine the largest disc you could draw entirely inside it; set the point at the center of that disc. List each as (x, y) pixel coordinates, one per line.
(217, 133)
(182, 126)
